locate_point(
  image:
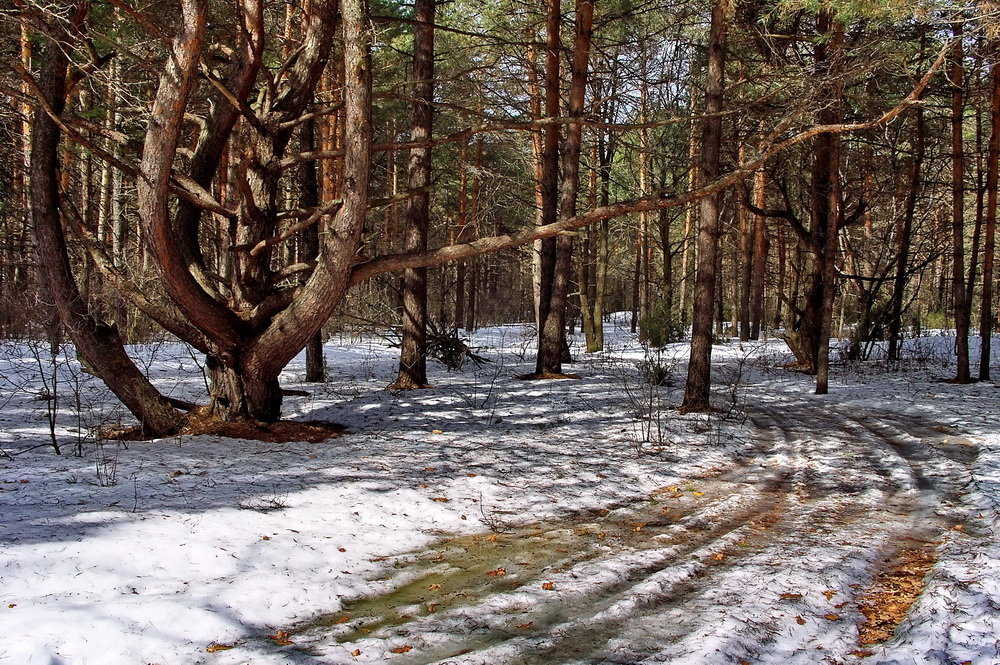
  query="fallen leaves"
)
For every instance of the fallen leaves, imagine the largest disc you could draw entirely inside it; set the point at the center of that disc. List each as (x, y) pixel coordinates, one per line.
(894, 591)
(402, 649)
(548, 586)
(281, 638)
(434, 587)
(440, 499)
(214, 647)
(831, 617)
(799, 620)
(499, 572)
(356, 653)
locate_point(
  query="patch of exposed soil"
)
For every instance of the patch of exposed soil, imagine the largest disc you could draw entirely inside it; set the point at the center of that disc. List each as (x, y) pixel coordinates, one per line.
(894, 591)
(546, 376)
(283, 431)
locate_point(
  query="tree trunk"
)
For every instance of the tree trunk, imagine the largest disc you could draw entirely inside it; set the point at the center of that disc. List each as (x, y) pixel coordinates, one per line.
(473, 300)
(600, 285)
(583, 278)
(643, 235)
(413, 353)
(460, 228)
(699, 377)
(832, 210)
(667, 280)
(309, 198)
(538, 161)
(759, 255)
(806, 339)
(98, 344)
(746, 264)
(989, 246)
(550, 333)
(960, 300)
(636, 279)
(903, 245)
(243, 391)
(690, 210)
(606, 156)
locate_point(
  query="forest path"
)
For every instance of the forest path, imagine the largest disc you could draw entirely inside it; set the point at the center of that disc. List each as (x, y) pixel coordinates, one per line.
(765, 562)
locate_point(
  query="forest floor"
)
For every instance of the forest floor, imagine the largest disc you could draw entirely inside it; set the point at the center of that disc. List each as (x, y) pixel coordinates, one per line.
(495, 521)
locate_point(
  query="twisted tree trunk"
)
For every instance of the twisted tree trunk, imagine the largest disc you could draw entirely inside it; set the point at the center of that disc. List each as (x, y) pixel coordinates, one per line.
(97, 343)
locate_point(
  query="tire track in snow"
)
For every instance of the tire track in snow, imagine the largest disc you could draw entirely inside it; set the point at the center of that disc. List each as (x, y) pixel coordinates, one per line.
(796, 532)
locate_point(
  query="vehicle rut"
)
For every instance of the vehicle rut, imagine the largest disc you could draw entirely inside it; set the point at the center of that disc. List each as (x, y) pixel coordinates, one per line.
(829, 492)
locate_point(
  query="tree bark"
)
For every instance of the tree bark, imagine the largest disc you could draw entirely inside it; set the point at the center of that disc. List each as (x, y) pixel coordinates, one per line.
(760, 249)
(413, 352)
(690, 211)
(550, 333)
(552, 346)
(460, 228)
(987, 316)
(699, 377)
(308, 199)
(960, 300)
(903, 244)
(97, 343)
(746, 265)
(832, 209)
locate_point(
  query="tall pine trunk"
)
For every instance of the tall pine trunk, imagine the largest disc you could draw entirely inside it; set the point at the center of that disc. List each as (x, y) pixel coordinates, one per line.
(960, 300)
(904, 239)
(561, 186)
(413, 353)
(987, 316)
(550, 334)
(760, 248)
(698, 387)
(309, 197)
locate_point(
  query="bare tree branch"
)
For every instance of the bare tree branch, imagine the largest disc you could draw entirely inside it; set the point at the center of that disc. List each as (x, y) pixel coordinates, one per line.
(657, 201)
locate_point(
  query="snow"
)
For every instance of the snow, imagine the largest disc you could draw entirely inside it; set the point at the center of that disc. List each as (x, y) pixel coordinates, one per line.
(627, 532)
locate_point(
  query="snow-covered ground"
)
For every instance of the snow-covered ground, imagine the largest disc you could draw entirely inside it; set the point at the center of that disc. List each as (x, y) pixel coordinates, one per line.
(491, 520)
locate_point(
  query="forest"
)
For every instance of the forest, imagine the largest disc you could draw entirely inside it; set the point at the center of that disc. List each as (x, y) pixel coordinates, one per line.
(736, 258)
(272, 172)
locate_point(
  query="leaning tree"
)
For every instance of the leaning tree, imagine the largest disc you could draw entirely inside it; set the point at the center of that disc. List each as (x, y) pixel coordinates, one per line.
(215, 160)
